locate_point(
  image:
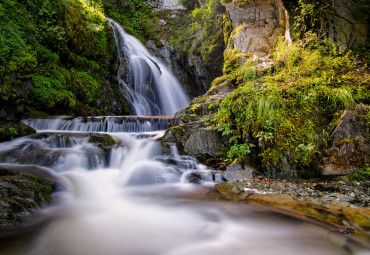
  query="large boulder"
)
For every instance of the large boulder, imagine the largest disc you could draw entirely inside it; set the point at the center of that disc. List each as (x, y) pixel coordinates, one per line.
(350, 138)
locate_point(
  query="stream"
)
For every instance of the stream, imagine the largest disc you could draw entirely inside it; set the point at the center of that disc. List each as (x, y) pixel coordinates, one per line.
(119, 195)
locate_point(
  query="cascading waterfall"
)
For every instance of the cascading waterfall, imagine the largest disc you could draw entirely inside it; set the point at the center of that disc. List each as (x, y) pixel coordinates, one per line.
(150, 87)
(121, 196)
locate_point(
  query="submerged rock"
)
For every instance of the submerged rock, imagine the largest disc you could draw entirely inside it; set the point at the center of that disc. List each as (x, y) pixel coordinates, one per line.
(46, 149)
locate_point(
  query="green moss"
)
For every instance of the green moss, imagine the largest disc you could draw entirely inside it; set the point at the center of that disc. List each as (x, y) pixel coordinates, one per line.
(54, 55)
(103, 141)
(287, 111)
(9, 131)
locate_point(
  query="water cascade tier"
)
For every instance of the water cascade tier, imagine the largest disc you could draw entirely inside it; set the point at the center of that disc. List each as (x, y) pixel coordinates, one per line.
(101, 123)
(145, 81)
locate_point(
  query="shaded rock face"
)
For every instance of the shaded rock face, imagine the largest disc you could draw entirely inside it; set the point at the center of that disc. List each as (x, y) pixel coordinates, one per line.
(191, 70)
(20, 194)
(343, 22)
(190, 129)
(351, 149)
(258, 25)
(347, 25)
(203, 140)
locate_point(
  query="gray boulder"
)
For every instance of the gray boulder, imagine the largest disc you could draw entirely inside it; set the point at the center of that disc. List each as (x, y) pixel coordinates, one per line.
(351, 144)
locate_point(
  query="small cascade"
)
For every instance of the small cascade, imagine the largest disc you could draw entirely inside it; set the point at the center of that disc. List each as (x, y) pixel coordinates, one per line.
(146, 82)
(111, 124)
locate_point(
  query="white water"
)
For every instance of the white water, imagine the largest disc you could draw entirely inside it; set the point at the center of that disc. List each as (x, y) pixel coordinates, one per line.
(130, 205)
(100, 124)
(151, 88)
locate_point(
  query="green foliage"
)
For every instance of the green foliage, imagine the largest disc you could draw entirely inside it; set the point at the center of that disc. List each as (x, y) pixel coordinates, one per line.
(202, 33)
(85, 87)
(53, 54)
(362, 174)
(288, 109)
(309, 16)
(239, 152)
(133, 15)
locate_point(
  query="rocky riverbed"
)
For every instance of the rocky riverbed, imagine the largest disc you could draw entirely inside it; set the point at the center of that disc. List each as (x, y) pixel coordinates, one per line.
(345, 203)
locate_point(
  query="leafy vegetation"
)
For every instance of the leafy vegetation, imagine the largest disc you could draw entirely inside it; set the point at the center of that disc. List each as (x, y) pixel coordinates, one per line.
(132, 14)
(202, 33)
(52, 54)
(57, 56)
(362, 174)
(287, 110)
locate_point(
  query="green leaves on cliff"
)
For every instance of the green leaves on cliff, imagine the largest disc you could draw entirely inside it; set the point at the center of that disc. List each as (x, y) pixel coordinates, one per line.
(133, 15)
(287, 110)
(52, 53)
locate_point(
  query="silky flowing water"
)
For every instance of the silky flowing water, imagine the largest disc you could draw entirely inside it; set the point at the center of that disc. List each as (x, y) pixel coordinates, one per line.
(127, 198)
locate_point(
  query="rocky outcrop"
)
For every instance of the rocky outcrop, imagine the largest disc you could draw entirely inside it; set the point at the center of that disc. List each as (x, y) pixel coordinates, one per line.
(20, 194)
(344, 22)
(189, 69)
(347, 25)
(351, 140)
(258, 25)
(191, 131)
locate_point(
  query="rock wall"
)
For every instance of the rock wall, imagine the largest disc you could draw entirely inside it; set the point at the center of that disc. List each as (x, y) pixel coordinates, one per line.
(190, 70)
(347, 25)
(344, 22)
(258, 25)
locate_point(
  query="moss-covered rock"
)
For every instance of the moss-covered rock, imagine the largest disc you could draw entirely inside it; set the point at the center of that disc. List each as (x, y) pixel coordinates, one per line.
(20, 194)
(10, 130)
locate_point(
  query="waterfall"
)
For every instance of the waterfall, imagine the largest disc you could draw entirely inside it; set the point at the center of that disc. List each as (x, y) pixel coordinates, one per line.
(144, 80)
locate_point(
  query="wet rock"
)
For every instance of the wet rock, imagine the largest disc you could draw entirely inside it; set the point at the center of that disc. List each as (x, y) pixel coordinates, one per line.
(11, 130)
(46, 149)
(237, 175)
(20, 194)
(219, 177)
(102, 140)
(204, 140)
(231, 191)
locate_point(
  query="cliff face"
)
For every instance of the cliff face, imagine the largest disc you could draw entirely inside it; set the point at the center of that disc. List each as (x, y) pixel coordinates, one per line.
(344, 22)
(215, 126)
(258, 25)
